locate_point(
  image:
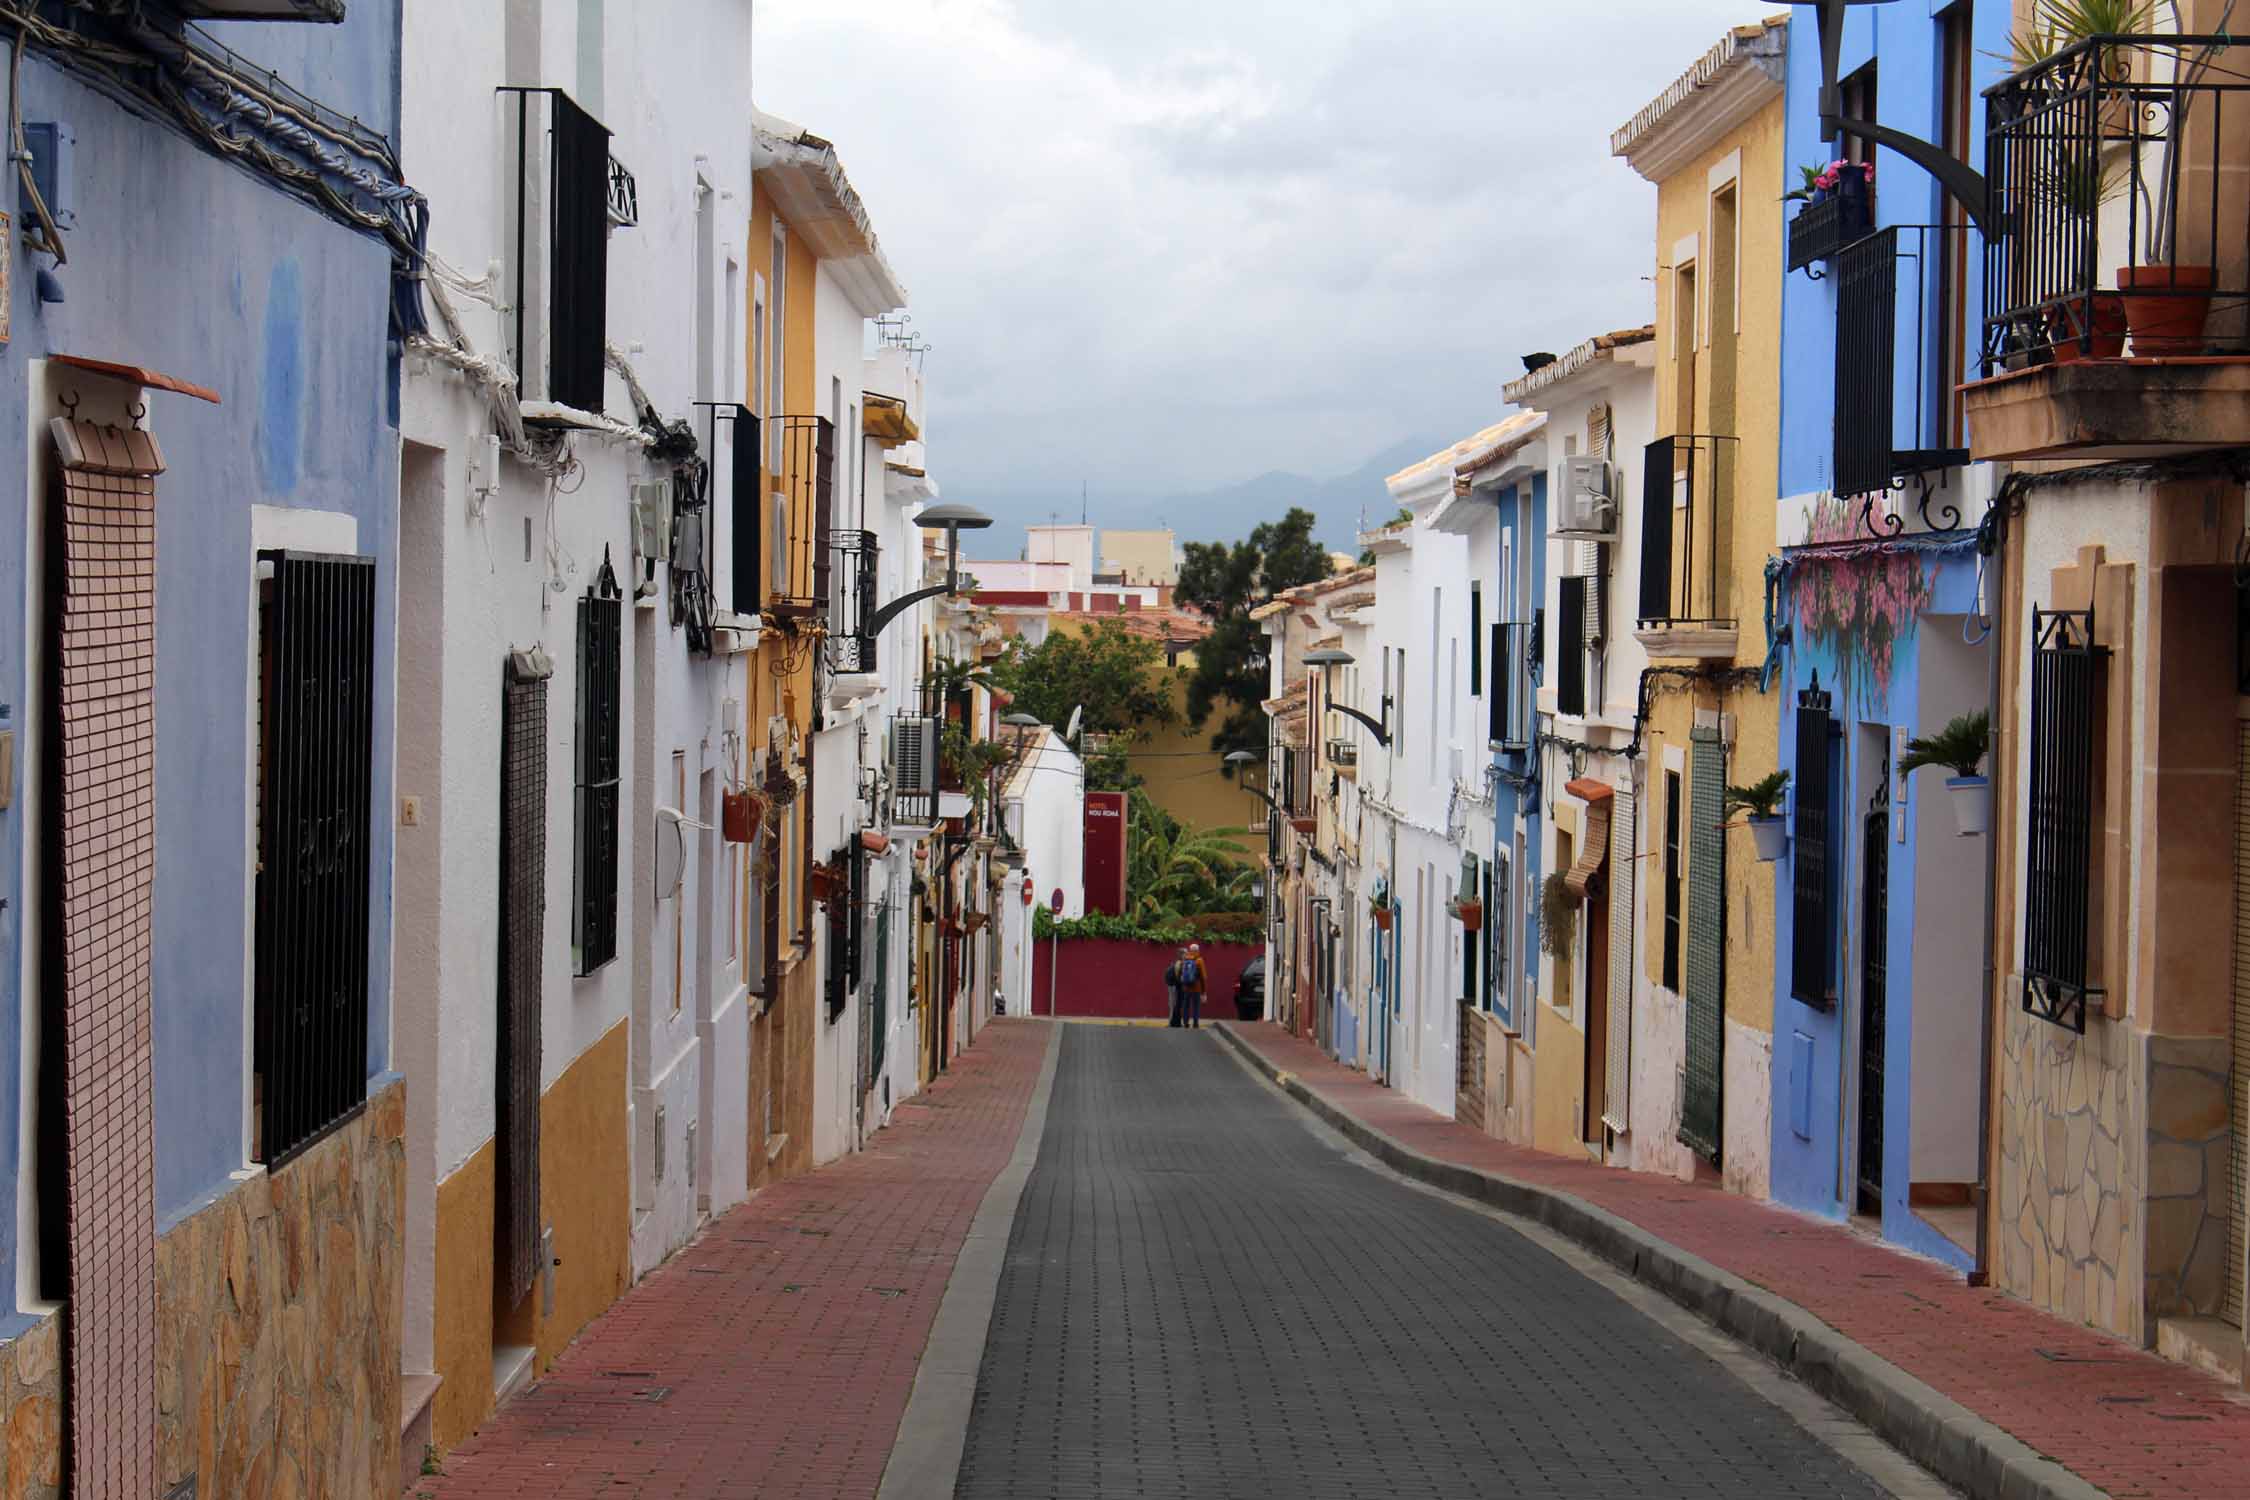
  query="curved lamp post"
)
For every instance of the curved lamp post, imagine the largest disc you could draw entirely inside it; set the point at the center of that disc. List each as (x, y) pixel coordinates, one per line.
(1242, 758)
(1330, 657)
(952, 520)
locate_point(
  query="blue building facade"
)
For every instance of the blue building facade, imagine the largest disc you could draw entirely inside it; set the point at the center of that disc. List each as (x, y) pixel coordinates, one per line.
(1877, 597)
(227, 270)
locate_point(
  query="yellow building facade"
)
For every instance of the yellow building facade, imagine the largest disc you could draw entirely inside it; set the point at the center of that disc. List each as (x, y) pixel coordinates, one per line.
(1713, 145)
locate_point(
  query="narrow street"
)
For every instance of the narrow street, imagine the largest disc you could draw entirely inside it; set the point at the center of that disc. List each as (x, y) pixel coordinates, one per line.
(1207, 1294)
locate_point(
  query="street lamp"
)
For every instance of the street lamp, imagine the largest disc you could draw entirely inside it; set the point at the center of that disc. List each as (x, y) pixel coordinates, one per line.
(952, 520)
(1329, 656)
(1242, 758)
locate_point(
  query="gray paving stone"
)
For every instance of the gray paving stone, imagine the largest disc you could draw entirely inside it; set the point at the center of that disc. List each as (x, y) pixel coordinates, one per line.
(1202, 1297)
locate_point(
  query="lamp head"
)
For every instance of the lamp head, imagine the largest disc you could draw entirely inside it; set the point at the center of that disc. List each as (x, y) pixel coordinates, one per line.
(952, 518)
(1328, 656)
(1023, 720)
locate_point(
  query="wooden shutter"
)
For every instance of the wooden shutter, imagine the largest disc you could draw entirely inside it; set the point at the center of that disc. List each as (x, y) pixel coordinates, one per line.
(1570, 648)
(2239, 1078)
(523, 906)
(1812, 939)
(749, 539)
(1702, 1106)
(1503, 685)
(1618, 1086)
(595, 813)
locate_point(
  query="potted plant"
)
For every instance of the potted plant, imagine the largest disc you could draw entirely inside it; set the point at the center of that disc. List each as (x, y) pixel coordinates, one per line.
(823, 883)
(1558, 914)
(2168, 301)
(1469, 911)
(1761, 799)
(1851, 184)
(1810, 191)
(1960, 747)
(1380, 907)
(2074, 184)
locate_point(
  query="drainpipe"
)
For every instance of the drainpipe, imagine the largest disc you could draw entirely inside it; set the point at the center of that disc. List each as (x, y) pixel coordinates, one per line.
(1993, 545)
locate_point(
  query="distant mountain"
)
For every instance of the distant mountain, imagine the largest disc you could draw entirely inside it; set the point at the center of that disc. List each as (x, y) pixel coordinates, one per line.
(1228, 513)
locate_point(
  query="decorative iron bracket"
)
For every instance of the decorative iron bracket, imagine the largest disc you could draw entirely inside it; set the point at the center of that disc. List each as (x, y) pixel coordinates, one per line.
(1374, 726)
(1962, 183)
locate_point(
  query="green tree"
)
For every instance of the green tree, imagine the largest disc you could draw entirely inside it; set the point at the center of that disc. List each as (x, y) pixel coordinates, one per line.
(1227, 582)
(1119, 679)
(1174, 870)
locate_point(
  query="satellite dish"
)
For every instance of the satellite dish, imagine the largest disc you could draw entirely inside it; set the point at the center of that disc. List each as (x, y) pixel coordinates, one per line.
(1075, 715)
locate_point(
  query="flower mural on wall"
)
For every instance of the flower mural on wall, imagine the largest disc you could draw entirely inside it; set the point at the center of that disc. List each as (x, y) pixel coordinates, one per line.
(1856, 603)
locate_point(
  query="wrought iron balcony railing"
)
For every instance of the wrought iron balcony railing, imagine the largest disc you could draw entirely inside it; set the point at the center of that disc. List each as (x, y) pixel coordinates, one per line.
(1686, 533)
(2119, 180)
(1877, 445)
(624, 196)
(1821, 229)
(851, 609)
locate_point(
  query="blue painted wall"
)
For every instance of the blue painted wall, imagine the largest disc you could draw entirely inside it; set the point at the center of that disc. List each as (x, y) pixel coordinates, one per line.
(1905, 39)
(190, 265)
(1516, 793)
(1811, 1050)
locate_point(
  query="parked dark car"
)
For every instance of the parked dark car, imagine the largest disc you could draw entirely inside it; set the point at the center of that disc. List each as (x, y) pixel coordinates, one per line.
(1250, 990)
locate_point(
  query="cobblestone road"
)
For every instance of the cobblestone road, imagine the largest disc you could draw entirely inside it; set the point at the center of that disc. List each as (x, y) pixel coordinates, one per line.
(1205, 1296)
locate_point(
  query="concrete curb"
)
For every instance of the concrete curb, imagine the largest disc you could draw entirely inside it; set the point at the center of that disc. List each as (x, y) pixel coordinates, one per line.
(925, 1456)
(1933, 1429)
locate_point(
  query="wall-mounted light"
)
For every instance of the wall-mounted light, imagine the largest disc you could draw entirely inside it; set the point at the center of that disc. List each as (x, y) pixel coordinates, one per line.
(952, 520)
(1330, 657)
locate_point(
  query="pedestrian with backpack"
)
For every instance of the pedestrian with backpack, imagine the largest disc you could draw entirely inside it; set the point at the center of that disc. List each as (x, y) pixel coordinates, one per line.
(1193, 982)
(1172, 972)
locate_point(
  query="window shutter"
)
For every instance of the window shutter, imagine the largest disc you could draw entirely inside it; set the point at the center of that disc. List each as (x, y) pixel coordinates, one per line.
(1570, 649)
(523, 907)
(1622, 869)
(1811, 964)
(578, 279)
(1656, 531)
(594, 861)
(1597, 430)
(1592, 556)
(1705, 996)
(1503, 685)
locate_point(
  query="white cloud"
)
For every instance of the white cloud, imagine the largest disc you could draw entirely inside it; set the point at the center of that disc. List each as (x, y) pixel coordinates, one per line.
(1179, 242)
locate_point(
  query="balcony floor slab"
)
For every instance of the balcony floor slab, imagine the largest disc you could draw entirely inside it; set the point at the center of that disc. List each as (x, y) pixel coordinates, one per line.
(2111, 409)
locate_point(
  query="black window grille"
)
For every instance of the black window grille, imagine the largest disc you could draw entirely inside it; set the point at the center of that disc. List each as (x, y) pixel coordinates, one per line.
(1670, 971)
(749, 536)
(577, 191)
(879, 991)
(1812, 924)
(847, 906)
(851, 613)
(317, 628)
(1570, 647)
(2066, 727)
(523, 926)
(798, 548)
(600, 682)
(1496, 707)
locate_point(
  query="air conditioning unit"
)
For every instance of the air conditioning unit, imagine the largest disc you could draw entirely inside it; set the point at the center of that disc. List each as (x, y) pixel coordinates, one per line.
(914, 756)
(1590, 498)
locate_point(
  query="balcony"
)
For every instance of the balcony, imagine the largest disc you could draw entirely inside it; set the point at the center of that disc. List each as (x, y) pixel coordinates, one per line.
(1877, 445)
(1686, 573)
(851, 612)
(801, 478)
(2117, 278)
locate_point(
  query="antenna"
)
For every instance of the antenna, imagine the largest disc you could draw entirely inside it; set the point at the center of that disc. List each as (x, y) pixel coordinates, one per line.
(1081, 502)
(1076, 714)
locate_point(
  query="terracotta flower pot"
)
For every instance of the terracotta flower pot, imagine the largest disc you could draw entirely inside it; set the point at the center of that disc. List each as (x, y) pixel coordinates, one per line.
(1471, 914)
(1382, 919)
(2166, 306)
(2071, 341)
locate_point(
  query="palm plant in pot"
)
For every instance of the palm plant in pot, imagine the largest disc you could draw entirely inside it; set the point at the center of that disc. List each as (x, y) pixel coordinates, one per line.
(1960, 747)
(1761, 799)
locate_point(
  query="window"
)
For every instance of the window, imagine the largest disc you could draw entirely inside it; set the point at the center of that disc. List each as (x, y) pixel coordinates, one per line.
(523, 931)
(578, 263)
(1476, 640)
(758, 387)
(1437, 638)
(847, 906)
(593, 935)
(316, 735)
(706, 294)
(1570, 647)
(777, 340)
(1956, 29)
(679, 896)
(1670, 976)
(1561, 995)
(1859, 103)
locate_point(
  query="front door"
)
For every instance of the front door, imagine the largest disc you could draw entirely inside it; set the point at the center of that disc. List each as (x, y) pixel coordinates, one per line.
(1874, 927)
(1597, 1012)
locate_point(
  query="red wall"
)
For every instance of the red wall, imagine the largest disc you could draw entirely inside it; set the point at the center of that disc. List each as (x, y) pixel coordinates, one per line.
(1110, 978)
(1104, 877)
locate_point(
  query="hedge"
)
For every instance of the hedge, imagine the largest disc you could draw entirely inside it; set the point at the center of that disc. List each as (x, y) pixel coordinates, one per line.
(1124, 929)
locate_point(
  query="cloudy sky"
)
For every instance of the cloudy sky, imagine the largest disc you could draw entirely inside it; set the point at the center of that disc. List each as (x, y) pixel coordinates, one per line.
(1172, 244)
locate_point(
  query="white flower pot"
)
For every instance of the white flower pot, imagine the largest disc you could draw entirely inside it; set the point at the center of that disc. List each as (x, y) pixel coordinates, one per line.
(1771, 835)
(1972, 803)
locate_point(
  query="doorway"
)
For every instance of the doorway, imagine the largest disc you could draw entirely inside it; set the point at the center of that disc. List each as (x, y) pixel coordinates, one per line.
(1874, 902)
(1596, 1091)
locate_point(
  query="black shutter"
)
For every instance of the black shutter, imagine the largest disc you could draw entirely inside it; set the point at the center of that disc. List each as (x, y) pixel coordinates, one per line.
(2066, 719)
(1503, 685)
(523, 906)
(1811, 951)
(578, 273)
(1656, 531)
(1570, 648)
(1476, 642)
(749, 511)
(594, 815)
(1866, 340)
(315, 782)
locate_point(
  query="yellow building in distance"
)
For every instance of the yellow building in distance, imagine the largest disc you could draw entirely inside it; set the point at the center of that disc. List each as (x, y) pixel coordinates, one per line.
(1713, 144)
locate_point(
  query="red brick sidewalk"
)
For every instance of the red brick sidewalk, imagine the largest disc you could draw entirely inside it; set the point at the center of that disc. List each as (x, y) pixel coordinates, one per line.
(2123, 1420)
(774, 1355)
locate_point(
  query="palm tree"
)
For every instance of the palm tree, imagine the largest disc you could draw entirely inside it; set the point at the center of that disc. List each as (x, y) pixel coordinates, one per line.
(1175, 871)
